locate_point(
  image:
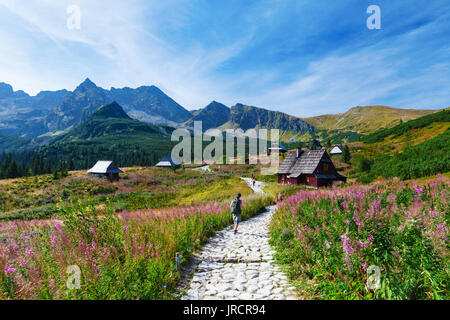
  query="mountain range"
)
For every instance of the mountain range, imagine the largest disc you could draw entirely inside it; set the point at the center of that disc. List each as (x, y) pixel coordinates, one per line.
(108, 133)
(55, 111)
(49, 115)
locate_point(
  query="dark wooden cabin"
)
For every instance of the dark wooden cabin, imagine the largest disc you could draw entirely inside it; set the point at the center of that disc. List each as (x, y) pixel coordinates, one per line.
(309, 167)
(106, 169)
(167, 162)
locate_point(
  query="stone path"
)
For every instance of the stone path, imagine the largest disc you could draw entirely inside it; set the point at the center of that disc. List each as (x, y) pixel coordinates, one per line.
(240, 266)
(258, 188)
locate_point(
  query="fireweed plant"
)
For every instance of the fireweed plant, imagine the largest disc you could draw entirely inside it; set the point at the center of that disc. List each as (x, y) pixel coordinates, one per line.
(121, 255)
(329, 238)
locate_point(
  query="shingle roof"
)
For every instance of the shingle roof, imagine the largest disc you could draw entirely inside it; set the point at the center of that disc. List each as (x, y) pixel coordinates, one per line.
(104, 167)
(305, 164)
(288, 162)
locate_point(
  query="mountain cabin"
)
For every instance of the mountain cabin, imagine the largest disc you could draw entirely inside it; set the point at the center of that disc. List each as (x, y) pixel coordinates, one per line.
(337, 150)
(310, 167)
(167, 162)
(106, 169)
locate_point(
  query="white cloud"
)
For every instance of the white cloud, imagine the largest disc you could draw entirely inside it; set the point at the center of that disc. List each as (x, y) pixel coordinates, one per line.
(125, 43)
(367, 77)
(114, 47)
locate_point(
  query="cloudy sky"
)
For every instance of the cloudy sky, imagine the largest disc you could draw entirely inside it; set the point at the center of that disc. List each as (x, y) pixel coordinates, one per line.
(301, 57)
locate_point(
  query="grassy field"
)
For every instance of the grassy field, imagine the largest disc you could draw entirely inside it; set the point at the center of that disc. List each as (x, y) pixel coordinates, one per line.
(129, 238)
(140, 188)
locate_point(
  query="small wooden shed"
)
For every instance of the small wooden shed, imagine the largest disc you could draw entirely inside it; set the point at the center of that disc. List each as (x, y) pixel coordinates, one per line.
(105, 168)
(167, 162)
(337, 150)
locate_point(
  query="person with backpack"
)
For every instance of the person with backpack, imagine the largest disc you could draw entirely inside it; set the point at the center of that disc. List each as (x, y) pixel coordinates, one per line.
(236, 211)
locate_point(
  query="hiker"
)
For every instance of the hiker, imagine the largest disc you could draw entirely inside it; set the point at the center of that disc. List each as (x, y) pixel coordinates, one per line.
(236, 211)
(254, 181)
(279, 197)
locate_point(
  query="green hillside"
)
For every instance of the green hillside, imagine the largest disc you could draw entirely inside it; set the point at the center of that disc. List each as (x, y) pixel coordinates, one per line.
(11, 143)
(403, 128)
(108, 134)
(108, 121)
(366, 120)
(427, 158)
(413, 149)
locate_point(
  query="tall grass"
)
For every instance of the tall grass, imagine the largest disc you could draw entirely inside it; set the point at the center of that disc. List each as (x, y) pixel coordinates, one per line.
(126, 255)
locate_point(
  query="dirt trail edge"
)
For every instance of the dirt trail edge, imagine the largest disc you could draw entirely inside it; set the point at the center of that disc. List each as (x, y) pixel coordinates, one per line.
(238, 266)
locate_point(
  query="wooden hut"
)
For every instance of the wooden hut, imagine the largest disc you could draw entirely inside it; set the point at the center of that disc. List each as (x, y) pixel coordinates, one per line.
(337, 150)
(167, 162)
(106, 169)
(309, 167)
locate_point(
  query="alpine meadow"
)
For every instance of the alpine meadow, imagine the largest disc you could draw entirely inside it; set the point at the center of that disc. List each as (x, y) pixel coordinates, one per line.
(224, 150)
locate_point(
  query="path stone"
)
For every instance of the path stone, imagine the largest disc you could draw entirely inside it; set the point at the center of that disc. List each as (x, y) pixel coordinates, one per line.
(240, 266)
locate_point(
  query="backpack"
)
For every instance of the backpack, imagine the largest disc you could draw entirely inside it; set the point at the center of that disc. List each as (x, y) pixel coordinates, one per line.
(234, 206)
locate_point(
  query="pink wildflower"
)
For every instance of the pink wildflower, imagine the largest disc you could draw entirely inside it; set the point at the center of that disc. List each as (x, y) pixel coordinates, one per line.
(364, 265)
(23, 263)
(10, 269)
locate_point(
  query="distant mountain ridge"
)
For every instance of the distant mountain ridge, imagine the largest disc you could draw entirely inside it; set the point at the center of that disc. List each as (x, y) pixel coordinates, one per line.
(150, 104)
(217, 115)
(109, 120)
(247, 117)
(23, 115)
(213, 115)
(52, 113)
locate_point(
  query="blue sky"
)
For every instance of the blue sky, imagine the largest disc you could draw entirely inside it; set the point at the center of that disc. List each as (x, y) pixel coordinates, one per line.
(301, 57)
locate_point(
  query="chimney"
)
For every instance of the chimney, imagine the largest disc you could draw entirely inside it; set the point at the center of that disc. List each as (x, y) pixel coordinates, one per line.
(299, 152)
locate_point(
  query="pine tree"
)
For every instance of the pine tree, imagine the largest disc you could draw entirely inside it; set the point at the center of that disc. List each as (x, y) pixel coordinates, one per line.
(48, 167)
(70, 164)
(345, 157)
(12, 171)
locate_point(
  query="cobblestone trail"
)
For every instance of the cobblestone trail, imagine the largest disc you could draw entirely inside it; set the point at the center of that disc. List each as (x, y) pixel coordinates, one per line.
(240, 266)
